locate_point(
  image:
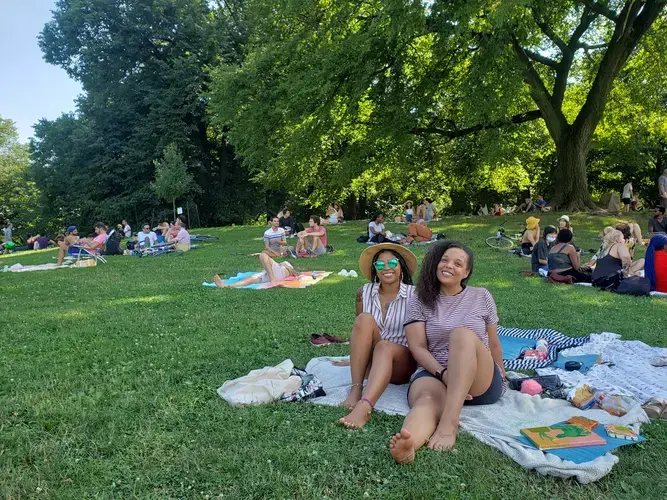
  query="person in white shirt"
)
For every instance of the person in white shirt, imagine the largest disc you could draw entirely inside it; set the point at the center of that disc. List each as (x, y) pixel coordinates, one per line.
(376, 232)
(627, 196)
(275, 243)
(146, 237)
(127, 230)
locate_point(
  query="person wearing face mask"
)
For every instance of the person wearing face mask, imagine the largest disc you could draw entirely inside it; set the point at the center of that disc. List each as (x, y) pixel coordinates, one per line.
(378, 347)
(540, 256)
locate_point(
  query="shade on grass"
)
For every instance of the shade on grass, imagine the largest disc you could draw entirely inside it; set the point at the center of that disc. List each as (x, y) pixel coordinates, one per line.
(108, 378)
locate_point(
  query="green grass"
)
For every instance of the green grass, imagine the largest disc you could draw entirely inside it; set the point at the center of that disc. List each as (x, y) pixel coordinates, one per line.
(108, 378)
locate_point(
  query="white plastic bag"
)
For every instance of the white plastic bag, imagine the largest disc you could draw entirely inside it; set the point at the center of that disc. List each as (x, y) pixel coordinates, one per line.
(261, 386)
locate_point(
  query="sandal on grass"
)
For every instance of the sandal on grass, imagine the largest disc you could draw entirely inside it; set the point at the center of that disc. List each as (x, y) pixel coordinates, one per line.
(656, 408)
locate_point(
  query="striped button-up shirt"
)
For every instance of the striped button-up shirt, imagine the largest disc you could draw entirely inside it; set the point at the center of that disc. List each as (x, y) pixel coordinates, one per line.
(391, 326)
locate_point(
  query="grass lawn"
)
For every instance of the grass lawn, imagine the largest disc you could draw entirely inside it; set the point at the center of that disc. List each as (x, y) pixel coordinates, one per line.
(108, 378)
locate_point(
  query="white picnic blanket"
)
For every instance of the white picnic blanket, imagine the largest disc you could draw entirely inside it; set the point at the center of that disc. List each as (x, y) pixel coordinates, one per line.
(496, 425)
(630, 371)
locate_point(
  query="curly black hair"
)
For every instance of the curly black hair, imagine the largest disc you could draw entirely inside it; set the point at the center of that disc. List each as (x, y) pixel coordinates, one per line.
(406, 277)
(428, 285)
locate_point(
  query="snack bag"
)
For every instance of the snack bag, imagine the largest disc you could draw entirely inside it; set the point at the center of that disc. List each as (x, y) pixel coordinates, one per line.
(582, 396)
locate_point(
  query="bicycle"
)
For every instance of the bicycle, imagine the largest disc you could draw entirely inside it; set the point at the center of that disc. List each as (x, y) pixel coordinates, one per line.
(500, 241)
(203, 238)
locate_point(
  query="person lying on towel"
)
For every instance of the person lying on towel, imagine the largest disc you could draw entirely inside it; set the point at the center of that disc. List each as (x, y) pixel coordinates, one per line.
(378, 348)
(452, 332)
(273, 273)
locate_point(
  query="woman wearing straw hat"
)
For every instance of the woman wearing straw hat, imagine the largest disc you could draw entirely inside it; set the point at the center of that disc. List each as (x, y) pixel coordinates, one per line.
(377, 345)
(409, 212)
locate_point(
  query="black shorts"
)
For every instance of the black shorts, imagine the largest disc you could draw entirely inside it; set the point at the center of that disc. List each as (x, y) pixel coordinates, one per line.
(626, 201)
(492, 394)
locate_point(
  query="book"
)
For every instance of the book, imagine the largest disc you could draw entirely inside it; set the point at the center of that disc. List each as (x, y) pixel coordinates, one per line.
(622, 432)
(563, 435)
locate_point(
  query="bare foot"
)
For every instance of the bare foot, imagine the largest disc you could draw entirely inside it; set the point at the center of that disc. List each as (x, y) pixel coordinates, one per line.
(353, 398)
(359, 416)
(402, 448)
(444, 437)
(218, 282)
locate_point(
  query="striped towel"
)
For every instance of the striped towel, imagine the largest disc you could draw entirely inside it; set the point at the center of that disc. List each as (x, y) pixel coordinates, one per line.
(557, 341)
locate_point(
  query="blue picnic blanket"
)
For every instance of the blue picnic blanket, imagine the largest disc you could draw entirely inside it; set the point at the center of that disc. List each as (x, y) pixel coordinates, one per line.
(583, 454)
(235, 279)
(516, 339)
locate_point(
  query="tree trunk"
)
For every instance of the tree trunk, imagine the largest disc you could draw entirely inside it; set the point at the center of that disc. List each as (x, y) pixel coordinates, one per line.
(173, 202)
(571, 189)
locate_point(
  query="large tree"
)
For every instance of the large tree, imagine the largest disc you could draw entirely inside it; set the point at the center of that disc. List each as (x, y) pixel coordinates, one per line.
(142, 65)
(330, 89)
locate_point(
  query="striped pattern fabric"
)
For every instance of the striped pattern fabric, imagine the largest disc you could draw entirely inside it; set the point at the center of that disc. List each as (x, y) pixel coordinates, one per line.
(391, 327)
(273, 238)
(557, 341)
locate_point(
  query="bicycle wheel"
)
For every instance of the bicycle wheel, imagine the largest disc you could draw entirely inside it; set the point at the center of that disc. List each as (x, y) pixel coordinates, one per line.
(500, 243)
(203, 237)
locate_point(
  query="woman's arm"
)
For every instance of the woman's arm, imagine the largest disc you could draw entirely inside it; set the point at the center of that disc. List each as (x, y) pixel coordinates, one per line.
(495, 347)
(416, 335)
(626, 258)
(574, 257)
(359, 303)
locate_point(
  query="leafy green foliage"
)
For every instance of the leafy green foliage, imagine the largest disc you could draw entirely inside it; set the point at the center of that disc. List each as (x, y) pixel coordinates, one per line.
(172, 179)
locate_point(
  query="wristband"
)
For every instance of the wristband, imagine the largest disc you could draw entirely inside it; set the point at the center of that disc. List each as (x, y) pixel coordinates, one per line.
(439, 374)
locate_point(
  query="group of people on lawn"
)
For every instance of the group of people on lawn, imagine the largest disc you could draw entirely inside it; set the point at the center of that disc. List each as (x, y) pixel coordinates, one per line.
(553, 252)
(107, 240)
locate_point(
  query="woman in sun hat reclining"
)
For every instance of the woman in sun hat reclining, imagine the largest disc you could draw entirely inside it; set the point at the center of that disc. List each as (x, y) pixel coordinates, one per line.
(378, 348)
(452, 332)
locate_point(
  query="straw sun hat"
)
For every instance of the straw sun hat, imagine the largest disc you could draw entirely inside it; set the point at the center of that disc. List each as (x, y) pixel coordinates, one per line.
(366, 257)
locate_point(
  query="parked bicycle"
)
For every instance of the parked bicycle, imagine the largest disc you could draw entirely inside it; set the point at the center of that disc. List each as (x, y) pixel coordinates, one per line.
(500, 241)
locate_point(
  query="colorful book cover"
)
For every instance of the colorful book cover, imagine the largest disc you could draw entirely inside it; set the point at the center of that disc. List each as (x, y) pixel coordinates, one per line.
(562, 436)
(621, 432)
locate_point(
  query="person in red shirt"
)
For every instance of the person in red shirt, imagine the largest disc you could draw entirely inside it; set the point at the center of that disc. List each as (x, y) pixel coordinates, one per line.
(314, 239)
(656, 263)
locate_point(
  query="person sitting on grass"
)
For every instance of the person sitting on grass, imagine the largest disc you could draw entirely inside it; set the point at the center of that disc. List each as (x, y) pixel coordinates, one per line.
(182, 238)
(273, 273)
(409, 212)
(564, 223)
(419, 232)
(126, 230)
(657, 224)
(314, 239)
(376, 231)
(331, 214)
(614, 263)
(527, 206)
(146, 238)
(530, 236)
(378, 348)
(632, 234)
(452, 332)
(430, 212)
(275, 244)
(539, 260)
(286, 222)
(541, 203)
(656, 263)
(341, 215)
(95, 243)
(71, 238)
(563, 259)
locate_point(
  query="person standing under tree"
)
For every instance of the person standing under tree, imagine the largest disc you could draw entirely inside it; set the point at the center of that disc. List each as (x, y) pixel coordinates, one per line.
(626, 198)
(127, 230)
(662, 188)
(7, 236)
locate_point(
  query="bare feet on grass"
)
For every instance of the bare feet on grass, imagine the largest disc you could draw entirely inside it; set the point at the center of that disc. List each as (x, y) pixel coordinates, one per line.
(444, 437)
(402, 447)
(359, 416)
(218, 282)
(353, 398)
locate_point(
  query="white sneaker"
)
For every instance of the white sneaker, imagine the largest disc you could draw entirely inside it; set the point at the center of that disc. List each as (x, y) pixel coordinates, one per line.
(353, 274)
(343, 272)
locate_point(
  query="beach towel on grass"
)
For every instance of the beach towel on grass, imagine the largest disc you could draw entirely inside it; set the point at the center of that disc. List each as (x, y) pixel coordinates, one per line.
(628, 369)
(557, 341)
(18, 268)
(301, 281)
(497, 425)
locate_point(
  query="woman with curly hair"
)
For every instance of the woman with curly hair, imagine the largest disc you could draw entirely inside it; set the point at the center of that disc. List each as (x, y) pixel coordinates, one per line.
(452, 332)
(378, 348)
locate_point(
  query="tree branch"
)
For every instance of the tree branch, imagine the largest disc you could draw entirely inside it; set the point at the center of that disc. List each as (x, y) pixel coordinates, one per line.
(600, 9)
(553, 116)
(587, 17)
(549, 32)
(541, 59)
(585, 46)
(528, 116)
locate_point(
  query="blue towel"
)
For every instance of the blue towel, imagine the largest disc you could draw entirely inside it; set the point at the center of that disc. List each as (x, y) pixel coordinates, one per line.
(235, 279)
(588, 361)
(585, 454)
(557, 341)
(514, 346)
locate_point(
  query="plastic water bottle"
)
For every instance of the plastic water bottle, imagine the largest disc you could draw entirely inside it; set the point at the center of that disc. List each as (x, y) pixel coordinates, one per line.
(542, 345)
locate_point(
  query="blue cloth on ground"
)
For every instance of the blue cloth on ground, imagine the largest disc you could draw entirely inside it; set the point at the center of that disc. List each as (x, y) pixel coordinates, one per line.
(588, 361)
(514, 346)
(585, 454)
(235, 279)
(557, 341)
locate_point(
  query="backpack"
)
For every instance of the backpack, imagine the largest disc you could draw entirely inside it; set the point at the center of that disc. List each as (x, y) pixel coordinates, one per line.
(635, 285)
(363, 238)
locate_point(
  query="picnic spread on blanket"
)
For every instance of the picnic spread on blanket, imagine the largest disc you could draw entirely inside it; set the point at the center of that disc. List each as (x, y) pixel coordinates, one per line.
(568, 429)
